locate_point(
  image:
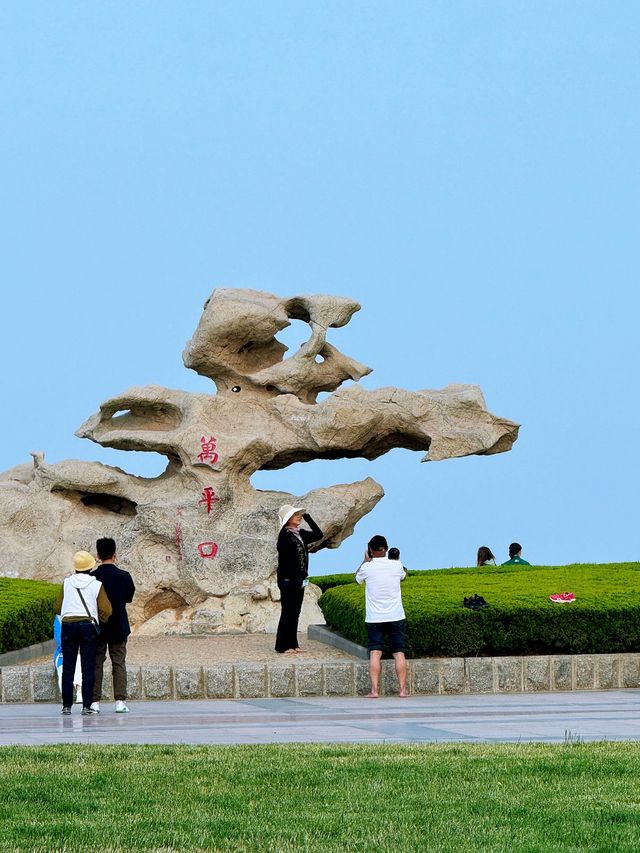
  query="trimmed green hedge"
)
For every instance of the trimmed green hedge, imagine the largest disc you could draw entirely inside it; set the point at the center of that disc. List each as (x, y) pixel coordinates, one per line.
(27, 610)
(605, 617)
(326, 582)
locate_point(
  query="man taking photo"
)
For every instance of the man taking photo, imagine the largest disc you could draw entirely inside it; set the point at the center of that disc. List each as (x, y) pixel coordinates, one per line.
(384, 612)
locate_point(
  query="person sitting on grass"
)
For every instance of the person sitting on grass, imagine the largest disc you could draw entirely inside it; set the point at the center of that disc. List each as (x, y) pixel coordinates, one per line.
(384, 612)
(485, 557)
(515, 559)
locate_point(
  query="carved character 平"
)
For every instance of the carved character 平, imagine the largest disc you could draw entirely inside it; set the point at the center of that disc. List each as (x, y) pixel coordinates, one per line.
(208, 498)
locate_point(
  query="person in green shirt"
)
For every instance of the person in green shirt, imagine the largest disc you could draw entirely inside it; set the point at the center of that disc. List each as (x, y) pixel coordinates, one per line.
(515, 550)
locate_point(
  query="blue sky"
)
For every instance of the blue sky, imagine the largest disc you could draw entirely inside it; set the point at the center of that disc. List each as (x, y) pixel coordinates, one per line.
(467, 171)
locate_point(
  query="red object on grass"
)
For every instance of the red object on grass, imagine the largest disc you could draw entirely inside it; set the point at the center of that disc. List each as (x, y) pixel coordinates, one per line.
(562, 598)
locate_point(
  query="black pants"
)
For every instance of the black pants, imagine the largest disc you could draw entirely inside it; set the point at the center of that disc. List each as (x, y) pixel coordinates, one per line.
(78, 637)
(290, 607)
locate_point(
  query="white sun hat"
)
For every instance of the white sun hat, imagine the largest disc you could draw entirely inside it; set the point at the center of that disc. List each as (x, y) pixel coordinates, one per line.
(286, 511)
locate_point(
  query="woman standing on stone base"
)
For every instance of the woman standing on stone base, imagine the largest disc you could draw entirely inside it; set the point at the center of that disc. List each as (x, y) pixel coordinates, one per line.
(293, 569)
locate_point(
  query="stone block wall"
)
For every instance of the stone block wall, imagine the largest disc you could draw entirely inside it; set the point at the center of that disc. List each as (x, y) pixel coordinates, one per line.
(38, 683)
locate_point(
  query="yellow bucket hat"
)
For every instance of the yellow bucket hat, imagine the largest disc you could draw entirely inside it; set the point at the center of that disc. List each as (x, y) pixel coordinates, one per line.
(83, 561)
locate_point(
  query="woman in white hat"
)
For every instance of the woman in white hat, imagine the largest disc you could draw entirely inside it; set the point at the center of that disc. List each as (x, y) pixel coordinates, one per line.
(82, 604)
(293, 568)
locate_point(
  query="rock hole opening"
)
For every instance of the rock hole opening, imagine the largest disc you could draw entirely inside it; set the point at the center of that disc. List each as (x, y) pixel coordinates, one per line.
(294, 336)
(111, 503)
(166, 599)
(143, 416)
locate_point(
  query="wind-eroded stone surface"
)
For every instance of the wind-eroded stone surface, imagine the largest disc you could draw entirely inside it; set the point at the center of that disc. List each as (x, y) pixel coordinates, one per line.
(199, 539)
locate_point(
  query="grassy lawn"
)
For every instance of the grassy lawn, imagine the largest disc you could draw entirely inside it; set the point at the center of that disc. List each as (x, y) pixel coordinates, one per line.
(321, 798)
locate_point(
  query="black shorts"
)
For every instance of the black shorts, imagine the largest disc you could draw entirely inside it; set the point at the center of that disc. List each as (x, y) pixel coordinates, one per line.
(394, 631)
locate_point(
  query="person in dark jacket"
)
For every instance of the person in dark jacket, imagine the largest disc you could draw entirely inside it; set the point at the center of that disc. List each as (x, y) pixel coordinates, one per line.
(293, 568)
(120, 588)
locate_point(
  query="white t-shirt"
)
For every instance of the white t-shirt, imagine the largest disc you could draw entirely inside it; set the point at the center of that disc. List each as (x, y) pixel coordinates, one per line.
(382, 577)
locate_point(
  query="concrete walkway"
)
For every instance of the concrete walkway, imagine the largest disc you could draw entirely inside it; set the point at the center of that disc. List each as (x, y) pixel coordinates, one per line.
(588, 715)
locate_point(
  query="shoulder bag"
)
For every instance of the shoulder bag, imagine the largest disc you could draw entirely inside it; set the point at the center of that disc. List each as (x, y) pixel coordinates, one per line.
(94, 622)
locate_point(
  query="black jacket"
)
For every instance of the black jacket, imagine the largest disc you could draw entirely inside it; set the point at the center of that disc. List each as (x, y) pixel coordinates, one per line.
(293, 554)
(120, 588)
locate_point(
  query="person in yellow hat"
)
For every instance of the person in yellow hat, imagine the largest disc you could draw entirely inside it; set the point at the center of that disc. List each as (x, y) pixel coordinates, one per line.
(82, 605)
(293, 569)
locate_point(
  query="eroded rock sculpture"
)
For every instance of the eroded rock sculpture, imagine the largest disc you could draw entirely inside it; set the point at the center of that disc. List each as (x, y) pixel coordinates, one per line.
(200, 539)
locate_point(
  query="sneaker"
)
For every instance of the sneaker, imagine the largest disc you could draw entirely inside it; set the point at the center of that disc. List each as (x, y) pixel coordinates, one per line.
(562, 598)
(121, 707)
(95, 706)
(89, 712)
(66, 712)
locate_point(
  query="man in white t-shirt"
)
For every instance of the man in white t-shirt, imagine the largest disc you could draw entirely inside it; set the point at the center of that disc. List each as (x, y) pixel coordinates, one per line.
(384, 612)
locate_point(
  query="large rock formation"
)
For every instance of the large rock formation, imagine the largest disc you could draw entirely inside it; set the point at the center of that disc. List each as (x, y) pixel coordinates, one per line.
(200, 539)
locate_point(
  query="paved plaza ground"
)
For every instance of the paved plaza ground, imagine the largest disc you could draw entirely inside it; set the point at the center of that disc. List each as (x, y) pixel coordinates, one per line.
(205, 650)
(551, 717)
(554, 718)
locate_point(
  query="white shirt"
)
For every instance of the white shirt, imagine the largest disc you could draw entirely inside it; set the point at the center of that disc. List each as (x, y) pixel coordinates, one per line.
(382, 577)
(71, 601)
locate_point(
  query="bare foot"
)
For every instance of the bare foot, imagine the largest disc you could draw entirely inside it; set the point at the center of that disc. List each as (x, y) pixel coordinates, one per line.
(290, 652)
(371, 696)
(300, 651)
(403, 694)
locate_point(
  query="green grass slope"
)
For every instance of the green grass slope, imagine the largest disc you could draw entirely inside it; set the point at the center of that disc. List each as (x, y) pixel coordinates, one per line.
(605, 617)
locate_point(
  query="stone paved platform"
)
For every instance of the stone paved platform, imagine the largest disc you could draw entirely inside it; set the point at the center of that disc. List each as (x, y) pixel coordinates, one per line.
(302, 676)
(554, 718)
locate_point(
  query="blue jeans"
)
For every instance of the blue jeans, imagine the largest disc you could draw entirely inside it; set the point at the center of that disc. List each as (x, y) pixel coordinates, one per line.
(78, 637)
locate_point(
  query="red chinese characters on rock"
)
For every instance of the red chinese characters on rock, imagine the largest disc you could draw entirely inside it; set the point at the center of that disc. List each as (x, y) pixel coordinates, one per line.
(208, 498)
(179, 542)
(208, 550)
(208, 453)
